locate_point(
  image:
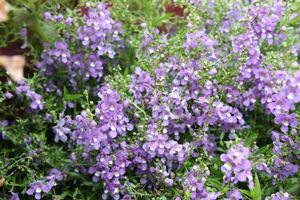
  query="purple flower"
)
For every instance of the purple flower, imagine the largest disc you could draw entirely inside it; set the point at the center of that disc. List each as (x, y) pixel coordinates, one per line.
(169, 182)
(286, 120)
(14, 196)
(36, 99)
(38, 187)
(234, 194)
(58, 18)
(61, 131)
(279, 105)
(61, 51)
(47, 16)
(148, 37)
(249, 99)
(95, 66)
(48, 117)
(8, 95)
(237, 167)
(69, 21)
(262, 165)
(58, 175)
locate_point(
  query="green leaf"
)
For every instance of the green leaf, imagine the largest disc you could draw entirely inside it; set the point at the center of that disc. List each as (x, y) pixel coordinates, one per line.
(292, 185)
(187, 194)
(262, 150)
(215, 183)
(251, 139)
(163, 198)
(71, 97)
(64, 194)
(293, 188)
(245, 192)
(256, 192)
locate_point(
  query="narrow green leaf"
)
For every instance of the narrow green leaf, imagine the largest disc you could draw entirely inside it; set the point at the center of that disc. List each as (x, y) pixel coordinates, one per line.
(256, 193)
(250, 139)
(245, 192)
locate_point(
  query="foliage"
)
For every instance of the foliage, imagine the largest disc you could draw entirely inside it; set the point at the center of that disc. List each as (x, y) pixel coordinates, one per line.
(131, 99)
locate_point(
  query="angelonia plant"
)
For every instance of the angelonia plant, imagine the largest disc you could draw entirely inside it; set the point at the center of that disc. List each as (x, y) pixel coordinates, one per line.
(207, 108)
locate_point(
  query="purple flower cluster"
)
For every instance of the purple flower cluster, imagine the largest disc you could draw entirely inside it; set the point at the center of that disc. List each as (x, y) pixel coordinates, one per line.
(111, 168)
(56, 18)
(110, 112)
(233, 15)
(99, 30)
(182, 104)
(281, 169)
(265, 20)
(237, 167)
(82, 57)
(195, 184)
(148, 37)
(207, 142)
(161, 146)
(141, 86)
(45, 185)
(35, 99)
(279, 196)
(276, 90)
(170, 107)
(229, 117)
(180, 111)
(194, 39)
(102, 135)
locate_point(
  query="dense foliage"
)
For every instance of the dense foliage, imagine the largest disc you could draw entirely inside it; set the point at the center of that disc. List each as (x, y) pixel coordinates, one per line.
(145, 99)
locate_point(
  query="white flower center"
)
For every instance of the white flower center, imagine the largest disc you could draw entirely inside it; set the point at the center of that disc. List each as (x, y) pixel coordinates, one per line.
(278, 107)
(290, 96)
(228, 166)
(194, 188)
(111, 108)
(97, 174)
(60, 133)
(38, 190)
(95, 139)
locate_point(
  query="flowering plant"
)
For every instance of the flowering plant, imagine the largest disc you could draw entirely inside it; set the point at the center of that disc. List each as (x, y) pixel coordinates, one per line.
(155, 100)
